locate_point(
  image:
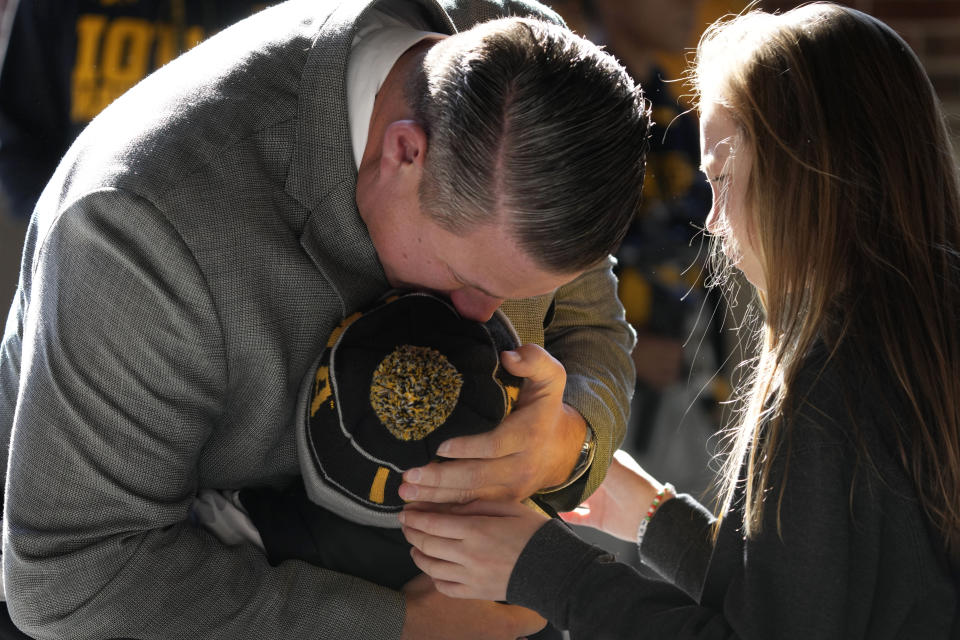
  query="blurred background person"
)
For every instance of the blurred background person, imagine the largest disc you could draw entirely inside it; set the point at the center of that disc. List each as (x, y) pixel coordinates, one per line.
(680, 353)
(61, 63)
(68, 59)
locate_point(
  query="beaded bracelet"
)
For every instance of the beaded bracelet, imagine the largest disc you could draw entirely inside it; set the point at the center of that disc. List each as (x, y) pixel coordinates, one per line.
(657, 501)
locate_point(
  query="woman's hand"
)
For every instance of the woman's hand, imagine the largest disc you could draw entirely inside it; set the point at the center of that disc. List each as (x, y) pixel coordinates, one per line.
(621, 502)
(469, 550)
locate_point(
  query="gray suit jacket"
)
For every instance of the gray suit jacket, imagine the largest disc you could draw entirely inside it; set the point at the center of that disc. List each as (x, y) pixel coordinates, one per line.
(183, 268)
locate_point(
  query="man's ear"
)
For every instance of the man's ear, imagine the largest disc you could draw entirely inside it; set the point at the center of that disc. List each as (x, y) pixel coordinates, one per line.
(404, 147)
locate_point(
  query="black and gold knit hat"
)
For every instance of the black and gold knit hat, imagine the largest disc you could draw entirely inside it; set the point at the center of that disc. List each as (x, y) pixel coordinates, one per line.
(392, 384)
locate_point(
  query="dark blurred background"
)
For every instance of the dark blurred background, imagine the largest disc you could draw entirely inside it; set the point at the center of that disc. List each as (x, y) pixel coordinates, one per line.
(932, 27)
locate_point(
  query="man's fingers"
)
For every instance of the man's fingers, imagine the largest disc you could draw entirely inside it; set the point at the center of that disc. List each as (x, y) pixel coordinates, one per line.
(489, 508)
(532, 362)
(456, 475)
(496, 443)
(527, 451)
(464, 480)
(421, 493)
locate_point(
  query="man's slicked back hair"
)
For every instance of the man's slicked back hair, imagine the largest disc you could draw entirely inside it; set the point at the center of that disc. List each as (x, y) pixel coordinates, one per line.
(530, 122)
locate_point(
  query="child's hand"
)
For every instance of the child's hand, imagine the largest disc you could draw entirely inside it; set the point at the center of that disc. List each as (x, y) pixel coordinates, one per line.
(469, 550)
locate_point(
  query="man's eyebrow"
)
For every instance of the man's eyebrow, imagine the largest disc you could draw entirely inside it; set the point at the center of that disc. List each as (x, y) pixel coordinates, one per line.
(473, 285)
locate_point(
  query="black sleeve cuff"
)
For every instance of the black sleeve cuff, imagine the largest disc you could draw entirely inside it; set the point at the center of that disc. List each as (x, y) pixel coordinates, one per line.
(678, 543)
(549, 565)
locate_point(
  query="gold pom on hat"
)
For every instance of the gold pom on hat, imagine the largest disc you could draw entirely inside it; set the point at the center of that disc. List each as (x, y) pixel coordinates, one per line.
(391, 386)
(414, 390)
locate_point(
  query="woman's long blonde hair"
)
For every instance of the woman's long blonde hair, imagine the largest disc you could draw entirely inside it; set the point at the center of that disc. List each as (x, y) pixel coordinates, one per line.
(853, 203)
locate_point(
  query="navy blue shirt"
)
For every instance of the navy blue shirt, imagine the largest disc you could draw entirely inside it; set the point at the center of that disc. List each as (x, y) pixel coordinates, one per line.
(68, 59)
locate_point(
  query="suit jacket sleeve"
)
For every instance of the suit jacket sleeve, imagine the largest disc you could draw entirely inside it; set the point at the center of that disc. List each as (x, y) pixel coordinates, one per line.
(122, 382)
(590, 336)
(582, 325)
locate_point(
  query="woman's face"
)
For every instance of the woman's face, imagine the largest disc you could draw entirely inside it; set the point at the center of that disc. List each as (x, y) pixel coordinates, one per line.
(726, 163)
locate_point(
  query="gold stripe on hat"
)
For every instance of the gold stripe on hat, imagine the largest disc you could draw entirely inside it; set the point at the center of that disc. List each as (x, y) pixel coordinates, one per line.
(379, 485)
(321, 390)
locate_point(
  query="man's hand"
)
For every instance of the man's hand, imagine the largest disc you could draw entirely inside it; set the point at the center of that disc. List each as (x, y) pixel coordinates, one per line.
(535, 447)
(430, 615)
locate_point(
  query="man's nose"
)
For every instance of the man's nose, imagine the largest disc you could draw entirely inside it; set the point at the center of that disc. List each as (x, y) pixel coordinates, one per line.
(474, 305)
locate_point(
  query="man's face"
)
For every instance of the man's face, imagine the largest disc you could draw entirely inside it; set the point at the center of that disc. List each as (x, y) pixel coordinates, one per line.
(477, 270)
